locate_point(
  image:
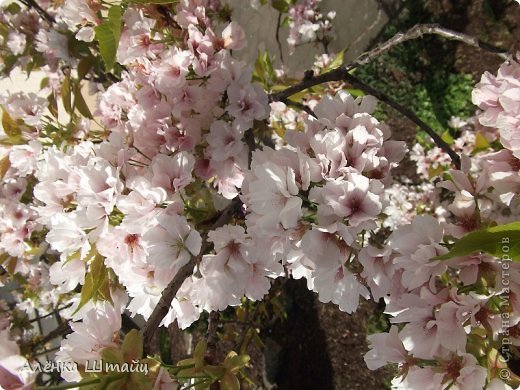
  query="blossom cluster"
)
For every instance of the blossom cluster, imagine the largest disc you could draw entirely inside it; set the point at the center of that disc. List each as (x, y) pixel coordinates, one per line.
(308, 24)
(499, 99)
(100, 215)
(450, 311)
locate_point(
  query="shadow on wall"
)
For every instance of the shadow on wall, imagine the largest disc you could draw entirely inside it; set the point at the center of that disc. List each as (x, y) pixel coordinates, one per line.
(296, 354)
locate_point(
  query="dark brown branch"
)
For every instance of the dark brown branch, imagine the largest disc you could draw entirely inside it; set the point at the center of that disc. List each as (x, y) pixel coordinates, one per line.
(211, 338)
(278, 25)
(419, 31)
(55, 311)
(162, 308)
(249, 137)
(414, 33)
(407, 113)
(300, 106)
(308, 82)
(43, 14)
(186, 271)
(62, 330)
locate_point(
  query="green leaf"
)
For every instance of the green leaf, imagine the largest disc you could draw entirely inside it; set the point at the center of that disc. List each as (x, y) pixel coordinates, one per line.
(53, 105)
(114, 18)
(446, 137)
(10, 126)
(481, 143)
(355, 92)
(238, 361)
(94, 280)
(154, 1)
(229, 382)
(66, 95)
(215, 372)
(281, 5)
(264, 70)
(112, 355)
(80, 103)
(198, 354)
(337, 61)
(5, 163)
(84, 66)
(13, 8)
(501, 241)
(132, 347)
(189, 373)
(108, 34)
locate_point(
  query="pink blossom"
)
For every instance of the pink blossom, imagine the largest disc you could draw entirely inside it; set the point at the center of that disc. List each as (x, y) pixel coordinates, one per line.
(234, 37)
(356, 199)
(247, 103)
(172, 172)
(27, 107)
(225, 141)
(385, 348)
(172, 242)
(419, 378)
(14, 372)
(272, 194)
(499, 98)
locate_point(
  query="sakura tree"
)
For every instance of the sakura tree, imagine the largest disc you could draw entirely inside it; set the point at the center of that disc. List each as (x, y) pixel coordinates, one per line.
(198, 179)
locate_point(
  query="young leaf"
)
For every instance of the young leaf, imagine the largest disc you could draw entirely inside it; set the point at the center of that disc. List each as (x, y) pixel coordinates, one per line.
(108, 34)
(66, 95)
(481, 143)
(114, 18)
(5, 163)
(446, 137)
(500, 241)
(94, 280)
(10, 126)
(84, 66)
(198, 354)
(337, 61)
(79, 102)
(154, 1)
(112, 355)
(132, 347)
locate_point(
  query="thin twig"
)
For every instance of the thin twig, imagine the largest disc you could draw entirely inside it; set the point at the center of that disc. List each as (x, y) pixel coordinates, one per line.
(415, 32)
(420, 30)
(300, 106)
(249, 137)
(43, 14)
(407, 113)
(62, 330)
(162, 308)
(278, 25)
(58, 309)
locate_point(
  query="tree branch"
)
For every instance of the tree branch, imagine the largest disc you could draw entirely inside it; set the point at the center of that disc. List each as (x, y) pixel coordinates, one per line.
(278, 25)
(211, 337)
(419, 31)
(43, 14)
(300, 106)
(249, 138)
(414, 33)
(162, 308)
(407, 113)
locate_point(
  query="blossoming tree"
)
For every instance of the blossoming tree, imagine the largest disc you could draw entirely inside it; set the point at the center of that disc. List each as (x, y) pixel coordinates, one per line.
(196, 181)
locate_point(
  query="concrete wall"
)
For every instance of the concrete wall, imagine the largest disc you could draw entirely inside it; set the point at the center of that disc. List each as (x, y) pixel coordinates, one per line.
(356, 24)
